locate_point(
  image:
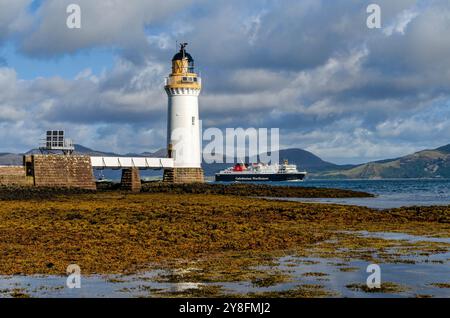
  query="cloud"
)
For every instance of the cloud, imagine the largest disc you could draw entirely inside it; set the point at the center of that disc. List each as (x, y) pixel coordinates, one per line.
(109, 23)
(401, 22)
(312, 68)
(126, 101)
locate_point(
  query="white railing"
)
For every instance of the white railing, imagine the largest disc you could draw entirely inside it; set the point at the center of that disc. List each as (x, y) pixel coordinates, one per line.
(131, 162)
(172, 81)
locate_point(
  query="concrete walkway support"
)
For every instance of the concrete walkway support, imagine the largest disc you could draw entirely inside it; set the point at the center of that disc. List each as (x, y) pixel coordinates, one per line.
(183, 175)
(131, 180)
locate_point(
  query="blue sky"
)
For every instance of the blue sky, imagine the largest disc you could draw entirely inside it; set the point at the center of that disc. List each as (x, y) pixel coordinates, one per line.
(67, 66)
(312, 68)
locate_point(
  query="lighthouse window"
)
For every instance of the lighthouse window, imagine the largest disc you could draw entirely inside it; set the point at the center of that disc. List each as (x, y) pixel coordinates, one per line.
(193, 121)
(188, 79)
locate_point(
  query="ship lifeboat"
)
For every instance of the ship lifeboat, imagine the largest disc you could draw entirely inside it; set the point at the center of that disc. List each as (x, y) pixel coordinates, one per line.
(239, 168)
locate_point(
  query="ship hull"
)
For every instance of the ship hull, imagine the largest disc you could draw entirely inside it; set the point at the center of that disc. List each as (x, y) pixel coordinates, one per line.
(252, 177)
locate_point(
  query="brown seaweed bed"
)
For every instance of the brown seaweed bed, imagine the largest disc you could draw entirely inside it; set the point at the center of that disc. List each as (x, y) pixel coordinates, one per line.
(249, 189)
(256, 190)
(223, 236)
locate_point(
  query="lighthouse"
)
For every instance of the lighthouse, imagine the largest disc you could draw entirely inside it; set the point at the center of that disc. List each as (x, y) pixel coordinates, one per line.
(183, 88)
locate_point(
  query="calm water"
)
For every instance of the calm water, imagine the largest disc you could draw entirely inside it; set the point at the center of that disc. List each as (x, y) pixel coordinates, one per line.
(389, 193)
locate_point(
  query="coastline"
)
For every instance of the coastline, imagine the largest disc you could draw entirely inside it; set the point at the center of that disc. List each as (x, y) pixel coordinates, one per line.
(224, 237)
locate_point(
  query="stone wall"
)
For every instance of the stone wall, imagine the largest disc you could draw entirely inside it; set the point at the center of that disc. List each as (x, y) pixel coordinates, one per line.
(14, 175)
(61, 171)
(183, 175)
(131, 180)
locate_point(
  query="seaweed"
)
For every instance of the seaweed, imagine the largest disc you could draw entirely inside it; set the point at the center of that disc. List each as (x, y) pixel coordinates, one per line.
(223, 236)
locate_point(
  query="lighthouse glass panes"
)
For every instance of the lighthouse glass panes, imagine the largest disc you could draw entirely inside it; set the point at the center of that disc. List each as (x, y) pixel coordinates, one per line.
(188, 79)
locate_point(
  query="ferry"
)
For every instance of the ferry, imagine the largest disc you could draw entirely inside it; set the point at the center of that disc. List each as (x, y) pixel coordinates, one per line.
(261, 172)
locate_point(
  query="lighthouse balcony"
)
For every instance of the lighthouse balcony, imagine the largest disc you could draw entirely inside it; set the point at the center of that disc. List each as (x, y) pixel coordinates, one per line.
(180, 80)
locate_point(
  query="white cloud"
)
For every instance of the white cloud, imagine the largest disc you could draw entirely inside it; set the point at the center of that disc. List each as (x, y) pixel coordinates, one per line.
(13, 17)
(311, 68)
(109, 23)
(401, 22)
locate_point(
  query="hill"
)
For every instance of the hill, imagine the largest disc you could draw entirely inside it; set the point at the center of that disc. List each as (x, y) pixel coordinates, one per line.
(304, 160)
(10, 159)
(433, 163)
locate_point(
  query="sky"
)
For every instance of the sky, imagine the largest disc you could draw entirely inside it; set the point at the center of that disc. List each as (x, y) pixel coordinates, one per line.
(312, 68)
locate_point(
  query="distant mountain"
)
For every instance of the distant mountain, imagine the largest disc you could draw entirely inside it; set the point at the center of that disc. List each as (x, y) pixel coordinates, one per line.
(161, 153)
(433, 163)
(304, 160)
(308, 161)
(444, 149)
(10, 159)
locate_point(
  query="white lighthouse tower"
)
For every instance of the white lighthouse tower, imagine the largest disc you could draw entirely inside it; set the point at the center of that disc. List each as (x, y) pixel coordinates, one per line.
(183, 87)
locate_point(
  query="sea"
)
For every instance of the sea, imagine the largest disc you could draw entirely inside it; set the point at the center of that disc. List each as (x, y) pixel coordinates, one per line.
(391, 193)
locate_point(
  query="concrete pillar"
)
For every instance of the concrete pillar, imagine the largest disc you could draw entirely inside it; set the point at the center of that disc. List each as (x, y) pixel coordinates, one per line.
(131, 180)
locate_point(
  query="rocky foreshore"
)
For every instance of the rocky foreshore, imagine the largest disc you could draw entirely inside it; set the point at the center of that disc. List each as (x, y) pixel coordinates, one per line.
(251, 189)
(224, 237)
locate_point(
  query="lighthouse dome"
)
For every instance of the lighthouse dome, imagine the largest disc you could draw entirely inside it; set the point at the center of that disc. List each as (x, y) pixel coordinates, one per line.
(180, 55)
(183, 54)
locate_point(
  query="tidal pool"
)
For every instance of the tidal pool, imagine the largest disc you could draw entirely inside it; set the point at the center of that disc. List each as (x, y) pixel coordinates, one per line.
(426, 276)
(378, 202)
